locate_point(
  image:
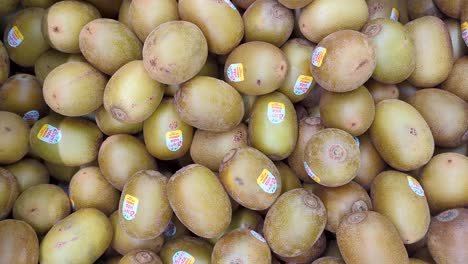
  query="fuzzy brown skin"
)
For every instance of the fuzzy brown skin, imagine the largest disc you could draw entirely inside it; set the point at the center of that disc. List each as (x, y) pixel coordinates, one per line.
(198, 248)
(289, 179)
(4, 64)
(14, 132)
(111, 126)
(295, 4)
(141, 257)
(50, 60)
(8, 6)
(457, 81)
(9, 192)
(371, 162)
(21, 240)
(329, 260)
(448, 235)
(61, 172)
(381, 91)
(124, 13)
(313, 253)
(420, 8)
(29, 172)
(244, 4)
(450, 8)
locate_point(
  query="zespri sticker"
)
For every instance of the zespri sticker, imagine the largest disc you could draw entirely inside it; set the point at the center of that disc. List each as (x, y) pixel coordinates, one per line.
(182, 257)
(318, 56)
(49, 134)
(130, 207)
(276, 112)
(15, 37)
(415, 186)
(174, 140)
(302, 84)
(267, 181)
(235, 72)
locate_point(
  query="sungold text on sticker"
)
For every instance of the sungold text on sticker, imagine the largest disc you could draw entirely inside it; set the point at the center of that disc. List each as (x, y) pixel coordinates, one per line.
(130, 207)
(302, 84)
(49, 134)
(276, 112)
(174, 140)
(267, 181)
(235, 72)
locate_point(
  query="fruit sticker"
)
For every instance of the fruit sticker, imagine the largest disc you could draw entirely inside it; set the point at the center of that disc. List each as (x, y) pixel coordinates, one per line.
(170, 230)
(267, 181)
(395, 15)
(276, 112)
(174, 140)
(49, 134)
(257, 236)
(415, 186)
(235, 72)
(464, 30)
(15, 37)
(31, 116)
(182, 257)
(130, 207)
(230, 4)
(303, 84)
(311, 173)
(318, 56)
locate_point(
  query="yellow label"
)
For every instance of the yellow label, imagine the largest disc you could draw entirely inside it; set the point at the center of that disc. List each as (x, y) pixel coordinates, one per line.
(267, 181)
(174, 140)
(302, 84)
(464, 29)
(130, 207)
(395, 15)
(276, 112)
(235, 72)
(15, 37)
(182, 257)
(318, 56)
(49, 134)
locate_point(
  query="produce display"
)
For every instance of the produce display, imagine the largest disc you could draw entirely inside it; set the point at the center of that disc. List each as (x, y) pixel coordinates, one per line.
(234, 132)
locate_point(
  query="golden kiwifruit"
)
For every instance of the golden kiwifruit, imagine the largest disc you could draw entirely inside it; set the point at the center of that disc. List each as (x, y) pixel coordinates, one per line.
(457, 81)
(42, 206)
(268, 21)
(420, 8)
(121, 156)
(220, 22)
(210, 104)
(401, 135)
(192, 249)
(323, 17)
(401, 199)
(175, 229)
(369, 229)
(249, 101)
(294, 223)
(141, 256)
(50, 60)
(343, 61)
(4, 63)
(256, 68)
(371, 162)
(381, 91)
(445, 113)
(8, 6)
(9, 192)
(250, 178)
(294, 4)
(328, 260)
(444, 181)
(144, 15)
(29, 172)
(458, 45)
(417, 261)
(352, 111)
(22, 94)
(38, 3)
(23, 38)
(113, 260)
(63, 21)
(331, 157)
(209, 148)
(124, 13)
(107, 8)
(19, 243)
(394, 9)
(61, 172)
(313, 253)
(299, 82)
(341, 201)
(434, 56)
(406, 90)
(111, 126)
(89, 189)
(448, 236)
(205, 209)
(450, 8)
(289, 180)
(14, 133)
(74, 89)
(108, 44)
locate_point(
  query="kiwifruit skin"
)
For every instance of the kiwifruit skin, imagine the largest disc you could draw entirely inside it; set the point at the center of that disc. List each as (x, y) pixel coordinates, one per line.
(180, 229)
(444, 182)
(196, 247)
(448, 235)
(313, 253)
(289, 179)
(371, 162)
(141, 257)
(381, 91)
(9, 192)
(328, 260)
(29, 172)
(294, 4)
(417, 261)
(244, 4)
(21, 241)
(50, 60)
(8, 6)
(458, 44)
(111, 126)
(457, 81)
(124, 14)
(4, 63)
(450, 8)
(14, 132)
(107, 8)
(420, 8)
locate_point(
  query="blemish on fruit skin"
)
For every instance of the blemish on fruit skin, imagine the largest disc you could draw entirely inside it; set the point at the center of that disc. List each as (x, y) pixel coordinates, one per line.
(259, 82)
(239, 181)
(61, 244)
(413, 131)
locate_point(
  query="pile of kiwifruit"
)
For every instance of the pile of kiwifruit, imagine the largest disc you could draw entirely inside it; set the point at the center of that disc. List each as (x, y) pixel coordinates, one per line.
(234, 132)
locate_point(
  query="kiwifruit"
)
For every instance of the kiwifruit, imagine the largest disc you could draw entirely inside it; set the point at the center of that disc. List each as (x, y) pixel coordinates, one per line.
(244, 4)
(107, 8)
(250, 178)
(289, 179)
(19, 243)
(29, 172)
(298, 82)
(42, 206)
(187, 249)
(8, 6)
(401, 135)
(111, 126)
(331, 157)
(444, 181)
(9, 192)
(63, 21)
(450, 8)
(74, 89)
(343, 60)
(209, 148)
(328, 260)
(448, 235)
(53, 134)
(341, 201)
(381, 91)
(89, 189)
(222, 36)
(307, 128)
(38, 3)
(121, 156)
(4, 63)
(294, 223)
(210, 104)
(445, 113)
(113, 260)
(387, 9)
(371, 162)
(144, 16)
(249, 101)
(144, 210)
(141, 256)
(23, 37)
(401, 199)
(462, 149)
(205, 215)
(417, 261)
(268, 21)
(394, 49)
(175, 229)
(82, 237)
(313, 253)
(406, 90)
(108, 44)
(241, 246)
(256, 68)
(458, 45)
(351, 111)
(372, 230)
(50, 60)
(457, 81)
(434, 56)
(294, 4)
(14, 133)
(61, 172)
(301, 111)
(420, 8)
(123, 243)
(22, 94)
(124, 13)
(402, 7)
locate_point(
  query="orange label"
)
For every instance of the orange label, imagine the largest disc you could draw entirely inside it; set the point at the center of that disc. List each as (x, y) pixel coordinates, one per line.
(267, 181)
(318, 56)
